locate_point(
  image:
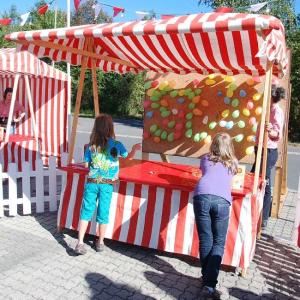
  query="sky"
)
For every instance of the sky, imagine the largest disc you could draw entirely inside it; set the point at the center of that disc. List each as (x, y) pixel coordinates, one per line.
(159, 6)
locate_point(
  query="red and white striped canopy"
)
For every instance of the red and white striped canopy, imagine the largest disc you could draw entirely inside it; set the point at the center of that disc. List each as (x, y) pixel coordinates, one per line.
(225, 43)
(24, 62)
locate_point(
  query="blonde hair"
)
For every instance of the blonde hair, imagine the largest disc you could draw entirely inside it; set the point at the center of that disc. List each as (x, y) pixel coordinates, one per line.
(222, 150)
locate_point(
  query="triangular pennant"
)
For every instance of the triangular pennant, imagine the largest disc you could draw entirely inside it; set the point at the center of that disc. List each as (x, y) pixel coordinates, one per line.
(24, 18)
(117, 10)
(97, 9)
(76, 4)
(43, 9)
(257, 7)
(6, 21)
(141, 14)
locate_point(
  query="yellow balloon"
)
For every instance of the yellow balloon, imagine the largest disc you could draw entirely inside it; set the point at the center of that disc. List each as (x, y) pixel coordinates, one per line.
(228, 78)
(150, 92)
(181, 93)
(229, 93)
(249, 150)
(250, 81)
(246, 112)
(162, 85)
(210, 82)
(257, 96)
(258, 110)
(211, 76)
(250, 138)
(225, 113)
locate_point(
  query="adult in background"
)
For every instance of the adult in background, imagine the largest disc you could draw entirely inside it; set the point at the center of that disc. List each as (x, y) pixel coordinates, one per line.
(18, 113)
(274, 129)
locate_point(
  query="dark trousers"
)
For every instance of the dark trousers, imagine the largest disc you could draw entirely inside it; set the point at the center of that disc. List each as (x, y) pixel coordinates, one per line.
(272, 157)
(212, 217)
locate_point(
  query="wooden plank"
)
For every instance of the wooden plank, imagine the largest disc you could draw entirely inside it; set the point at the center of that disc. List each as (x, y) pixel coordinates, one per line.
(11, 109)
(276, 193)
(77, 109)
(95, 88)
(26, 188)
(32, 113)
(84, 52)
(39, 186)
(12, 189)
(267, 94)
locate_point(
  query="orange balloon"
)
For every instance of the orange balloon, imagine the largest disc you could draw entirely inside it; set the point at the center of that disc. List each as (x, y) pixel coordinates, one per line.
(196, 99)
(164, 102)
(204, 103)
(197, 112)
(156, 139)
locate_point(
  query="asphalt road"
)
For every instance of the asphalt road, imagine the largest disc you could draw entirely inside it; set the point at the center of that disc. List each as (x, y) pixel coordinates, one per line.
(130, 132)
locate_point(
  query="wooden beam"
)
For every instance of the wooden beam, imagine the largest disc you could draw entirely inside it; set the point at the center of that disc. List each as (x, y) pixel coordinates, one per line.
(267, 95)
(276, 193)
(77, 107)
(29, 98)
(85, 53)
(11, 108)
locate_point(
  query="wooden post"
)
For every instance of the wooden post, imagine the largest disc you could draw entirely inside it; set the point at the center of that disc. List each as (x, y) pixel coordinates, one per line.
(77, 108)
(277, 192)
(262, 133)
(12, 106)
(95, 88)
(29, 98)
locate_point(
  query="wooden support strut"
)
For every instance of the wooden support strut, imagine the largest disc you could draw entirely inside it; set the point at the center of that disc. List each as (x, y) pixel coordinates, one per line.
(77, 106)
(262, 133)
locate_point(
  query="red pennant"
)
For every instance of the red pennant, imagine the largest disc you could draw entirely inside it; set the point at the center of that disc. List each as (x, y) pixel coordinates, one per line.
(117, 10)
(166, 17)
(76, 4)
(43, 9)
(5, 21)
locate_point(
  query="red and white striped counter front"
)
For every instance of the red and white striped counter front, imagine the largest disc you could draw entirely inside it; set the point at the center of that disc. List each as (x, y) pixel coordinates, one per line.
(152, 206)
(17, 150)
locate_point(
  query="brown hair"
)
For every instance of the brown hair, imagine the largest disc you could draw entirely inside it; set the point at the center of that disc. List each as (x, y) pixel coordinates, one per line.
(103, 130)
(222, 150)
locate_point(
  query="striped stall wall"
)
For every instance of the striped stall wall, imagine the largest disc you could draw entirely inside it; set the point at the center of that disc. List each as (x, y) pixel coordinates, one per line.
(50, 104)
(162, 218)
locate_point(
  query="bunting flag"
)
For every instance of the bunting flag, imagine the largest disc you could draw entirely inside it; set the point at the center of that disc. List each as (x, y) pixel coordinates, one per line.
(97, 9)
(24, 18)
(5, 22)
(257, 7)
(43, 9)
(117, 10)
(76, 4)
(141, 14)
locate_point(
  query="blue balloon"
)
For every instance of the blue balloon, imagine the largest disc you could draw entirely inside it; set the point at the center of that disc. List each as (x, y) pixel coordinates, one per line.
(149, 114)
(243, 93)
(227, 100)
(180, 100)
(220, 94)
(229, 124)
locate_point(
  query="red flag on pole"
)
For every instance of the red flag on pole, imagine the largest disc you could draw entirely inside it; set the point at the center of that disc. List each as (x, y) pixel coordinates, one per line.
(43, 9)
(117, 10)
(5, 21)
(76, 4)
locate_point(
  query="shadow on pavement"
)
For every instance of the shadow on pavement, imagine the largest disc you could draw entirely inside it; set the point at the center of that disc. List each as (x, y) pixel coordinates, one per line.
(103, 288)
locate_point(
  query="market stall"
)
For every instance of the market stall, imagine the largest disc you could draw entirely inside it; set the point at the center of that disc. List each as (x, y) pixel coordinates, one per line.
(41, 90)
(152, 203)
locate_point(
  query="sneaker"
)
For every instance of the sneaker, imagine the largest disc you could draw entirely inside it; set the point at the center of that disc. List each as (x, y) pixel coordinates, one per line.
(264, 224)
(80, 249)
(99, 247)
(210, 293)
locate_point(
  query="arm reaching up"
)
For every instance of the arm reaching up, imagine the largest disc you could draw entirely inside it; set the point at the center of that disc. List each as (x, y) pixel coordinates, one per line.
(134, 149)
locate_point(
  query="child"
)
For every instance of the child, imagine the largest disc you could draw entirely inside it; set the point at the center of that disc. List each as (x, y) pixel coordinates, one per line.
(101, 157)
(212, 199)
(274, 129)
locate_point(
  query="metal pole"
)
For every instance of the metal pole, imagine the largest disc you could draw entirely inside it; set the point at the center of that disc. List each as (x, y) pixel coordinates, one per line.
(69, 72)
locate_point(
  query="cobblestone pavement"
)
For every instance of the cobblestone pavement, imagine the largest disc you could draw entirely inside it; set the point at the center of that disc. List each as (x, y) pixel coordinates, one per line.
(38, 263)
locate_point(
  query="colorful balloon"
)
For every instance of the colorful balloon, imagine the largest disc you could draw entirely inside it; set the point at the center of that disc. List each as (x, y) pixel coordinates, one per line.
(149, 114)
(191, 106)
(171, 124)
(150, 92)
(227, 100)
(188, 124)
(249, 150)
(198, 91)
(197, 137)
(252, 121)
(257, 96)
(156, 139)
(205, 120)
(243, 93)
(189, 133)
(251, 138)
(250, 105)
(189, 116)
(155, 105)
(228, 78)
(212, 125)
(154, 83)
(158, 132)
(250, 81)
(238, 138)
(164, 102)
(178, 126)
(197, 112)
(174, 111)
(254, 128)
(165, 114)
(154, 98)
(241, 124)
(196, 99)
(210, 82)
(235, 102)
(222, 123)
(232, 87)
(203, 135)
(205, 103)
(146, 135)
(229, 93)
(229, 124)
(147, 85)
(207, 140)
(174, 93)
(164, 135)
(225, 113)
(153, 128)
(211, 76)
(258, 110)
(220, 94)
(181, 93)
(170, 137)
(235, 114)
(146, 103)
(246, 112)
(180, 100)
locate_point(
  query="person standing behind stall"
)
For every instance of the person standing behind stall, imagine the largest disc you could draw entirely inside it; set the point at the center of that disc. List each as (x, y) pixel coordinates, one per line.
(274, 129)
(212, 200)
(102, 159)
(18, 112)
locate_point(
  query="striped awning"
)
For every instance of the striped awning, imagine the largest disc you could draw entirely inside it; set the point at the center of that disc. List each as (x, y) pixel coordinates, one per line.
(225, 43)
(14, 62)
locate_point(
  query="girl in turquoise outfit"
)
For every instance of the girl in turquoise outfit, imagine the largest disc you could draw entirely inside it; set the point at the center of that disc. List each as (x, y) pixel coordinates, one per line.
(102, 159)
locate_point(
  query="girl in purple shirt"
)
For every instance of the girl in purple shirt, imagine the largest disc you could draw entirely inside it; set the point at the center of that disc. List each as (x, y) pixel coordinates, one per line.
(212, 199)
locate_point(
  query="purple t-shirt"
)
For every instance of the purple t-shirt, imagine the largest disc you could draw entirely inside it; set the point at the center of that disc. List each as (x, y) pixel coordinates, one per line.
(215, 180)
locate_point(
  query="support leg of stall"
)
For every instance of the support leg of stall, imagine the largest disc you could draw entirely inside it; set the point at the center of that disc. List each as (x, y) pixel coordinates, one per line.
(77, 109)
(12, 106)
(29, 98)
(277, 192)
(95, 88)
(165, 158)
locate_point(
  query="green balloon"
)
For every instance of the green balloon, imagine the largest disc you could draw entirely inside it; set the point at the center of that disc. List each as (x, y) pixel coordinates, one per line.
(165, 113)
(174, 93)
(154, 98)
(239, 138)
(171, 124)
(164, 135)
(235, 102)
(241, 124)
(232, 86)
(170, 137)
(235, 114)
(157, 132)
(187, 91)
(189, 116)
(163, 92)
(156, 93)
(147, 85)
(212, 125)
(155, 105)
(198, 91)
(189, 133)
(191, 106)
(162, 109)
(188, 124)
(197, 137)
(153, 128)
(203, 135)
(254, 128)
(191, 96)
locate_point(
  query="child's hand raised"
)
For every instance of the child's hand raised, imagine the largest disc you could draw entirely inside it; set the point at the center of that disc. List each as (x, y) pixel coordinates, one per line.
(137, 147)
